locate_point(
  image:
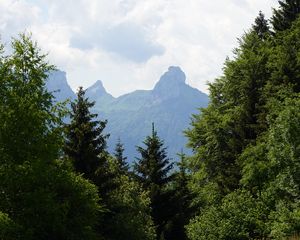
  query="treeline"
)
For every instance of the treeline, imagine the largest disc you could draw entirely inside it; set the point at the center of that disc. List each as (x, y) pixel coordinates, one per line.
(58, 181)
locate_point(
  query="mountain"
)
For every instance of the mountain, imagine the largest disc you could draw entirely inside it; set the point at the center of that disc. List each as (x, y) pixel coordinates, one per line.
(169, 105)
(58, 85)
(97, 93)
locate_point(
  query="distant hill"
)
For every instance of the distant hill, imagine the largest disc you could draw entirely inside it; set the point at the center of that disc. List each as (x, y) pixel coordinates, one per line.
(169, 105)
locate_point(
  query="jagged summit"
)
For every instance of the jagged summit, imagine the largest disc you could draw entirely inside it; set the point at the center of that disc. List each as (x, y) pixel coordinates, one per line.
(97, 87)
(97, 93)
(174, 75)
(171, 82)
(58, 85)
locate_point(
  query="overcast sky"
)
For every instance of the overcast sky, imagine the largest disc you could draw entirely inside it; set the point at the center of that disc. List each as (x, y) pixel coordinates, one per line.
(128, 44)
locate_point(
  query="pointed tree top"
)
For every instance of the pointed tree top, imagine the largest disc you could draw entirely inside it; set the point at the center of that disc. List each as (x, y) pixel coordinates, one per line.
(261, 25)
(153, 130)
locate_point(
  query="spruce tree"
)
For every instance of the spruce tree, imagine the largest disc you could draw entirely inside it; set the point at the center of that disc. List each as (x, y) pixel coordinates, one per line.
(153, 171)
(119, 155)
(85, 141)
(284, 16)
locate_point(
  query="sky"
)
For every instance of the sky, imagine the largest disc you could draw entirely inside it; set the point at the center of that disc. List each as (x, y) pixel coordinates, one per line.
(129, 44)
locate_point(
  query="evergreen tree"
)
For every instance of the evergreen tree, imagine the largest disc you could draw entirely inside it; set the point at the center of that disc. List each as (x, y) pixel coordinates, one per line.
(234, 117)
(261, 26)
(85, 146)
(284, 63)
(181, 202)
(119, 155)
(153, 171)
(85, 142)
(284, 16)
(127, 206)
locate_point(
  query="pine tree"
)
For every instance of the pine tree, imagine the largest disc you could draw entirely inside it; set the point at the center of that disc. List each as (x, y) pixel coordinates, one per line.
(85, 142)
(119, 155)
(261, 26)
(153, 171)
(284, 16)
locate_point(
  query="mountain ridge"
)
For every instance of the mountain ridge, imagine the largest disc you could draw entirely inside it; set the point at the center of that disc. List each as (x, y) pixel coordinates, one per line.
(170, 104)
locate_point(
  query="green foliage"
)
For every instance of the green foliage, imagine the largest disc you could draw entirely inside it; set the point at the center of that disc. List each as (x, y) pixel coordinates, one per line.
(119, 155)
(85, 143)
(129, 206)
(152, 171)
(180, 204)
(261, 26)
(245, 167)
(41, 198)
(153, 166)
(234, 117)
(50, 202)
(284, 60)
(284, 16)
(127, 213)
(23, 99)
(8, 229)
(239, 216)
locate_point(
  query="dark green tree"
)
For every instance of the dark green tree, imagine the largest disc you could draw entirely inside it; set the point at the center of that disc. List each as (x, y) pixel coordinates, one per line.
(85, 141)
(153, 172)
(121, 159)
(261, 26)
(284, 16)
(234, 117)
(181, 202)
(284, 63)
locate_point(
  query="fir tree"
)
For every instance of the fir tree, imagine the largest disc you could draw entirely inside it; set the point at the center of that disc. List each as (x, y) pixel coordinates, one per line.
(119, 155)
(153, 171)
(85, 142)
(284, 16)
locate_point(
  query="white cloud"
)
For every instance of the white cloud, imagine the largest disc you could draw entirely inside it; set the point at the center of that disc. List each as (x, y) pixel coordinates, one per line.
(128, 44)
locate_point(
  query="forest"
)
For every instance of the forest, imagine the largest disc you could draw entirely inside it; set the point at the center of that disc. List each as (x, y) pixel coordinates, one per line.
(242, 180)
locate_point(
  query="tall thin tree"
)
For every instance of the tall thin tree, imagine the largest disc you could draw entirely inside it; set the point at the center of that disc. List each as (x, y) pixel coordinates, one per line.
(85, 141)
(153, 171)
(119, 155)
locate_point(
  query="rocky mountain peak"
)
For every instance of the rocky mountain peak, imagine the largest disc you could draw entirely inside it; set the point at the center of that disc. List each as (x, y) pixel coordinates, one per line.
(171, 81)
(97, 87)
(57, 84)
